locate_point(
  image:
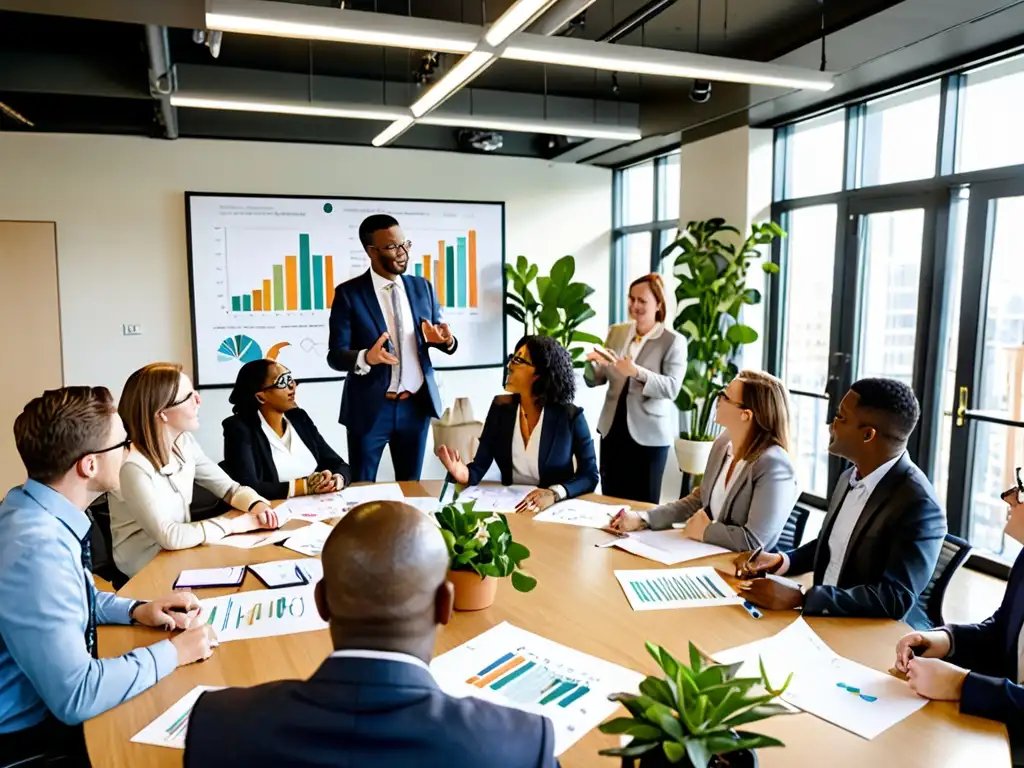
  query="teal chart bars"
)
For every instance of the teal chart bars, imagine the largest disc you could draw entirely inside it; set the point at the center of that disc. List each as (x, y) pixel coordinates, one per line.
(653, 590)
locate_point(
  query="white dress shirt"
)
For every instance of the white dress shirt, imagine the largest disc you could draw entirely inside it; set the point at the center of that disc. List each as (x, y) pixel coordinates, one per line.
(405, 658)
(150, 511)
(636, 345)
(722, 486)
(406, 346)
(526, 455)
(848, 515)
(292, 458)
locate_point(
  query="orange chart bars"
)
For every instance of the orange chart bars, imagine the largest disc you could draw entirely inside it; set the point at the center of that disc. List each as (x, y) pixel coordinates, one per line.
(298, 283)
(439, 274)
(474, 296)
(454, 272)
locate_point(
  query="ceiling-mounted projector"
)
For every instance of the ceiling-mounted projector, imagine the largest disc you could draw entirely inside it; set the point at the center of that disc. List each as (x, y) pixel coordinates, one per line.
(480, 141)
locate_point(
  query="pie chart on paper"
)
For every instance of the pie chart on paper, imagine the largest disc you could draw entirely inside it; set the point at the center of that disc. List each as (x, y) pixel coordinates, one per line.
(241, 348)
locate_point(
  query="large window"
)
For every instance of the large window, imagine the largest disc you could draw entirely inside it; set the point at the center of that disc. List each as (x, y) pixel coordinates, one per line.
(646, 218)
(903, 261)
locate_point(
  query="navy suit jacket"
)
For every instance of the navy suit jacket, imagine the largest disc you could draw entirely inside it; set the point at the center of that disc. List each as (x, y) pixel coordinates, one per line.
(564, 435)
(356, 324)
(989, 650)
(891, 555)
(362, 712)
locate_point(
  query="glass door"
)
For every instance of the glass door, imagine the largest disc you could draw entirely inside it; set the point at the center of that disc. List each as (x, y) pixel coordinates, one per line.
(987, 440)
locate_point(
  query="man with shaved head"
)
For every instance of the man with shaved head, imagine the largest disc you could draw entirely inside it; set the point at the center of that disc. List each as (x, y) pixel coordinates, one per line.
(373, 701)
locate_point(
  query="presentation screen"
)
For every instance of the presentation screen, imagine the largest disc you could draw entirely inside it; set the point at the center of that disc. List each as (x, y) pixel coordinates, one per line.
(263, 270)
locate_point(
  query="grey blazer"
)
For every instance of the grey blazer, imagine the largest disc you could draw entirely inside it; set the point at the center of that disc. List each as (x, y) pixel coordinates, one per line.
(651, 413)
(756, 507)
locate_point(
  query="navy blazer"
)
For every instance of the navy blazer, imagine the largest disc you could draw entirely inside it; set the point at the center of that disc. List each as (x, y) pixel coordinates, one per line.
(249, 460)
(356, 323)
(989, 651)
(891, 555)
(362, 712)
(564, 435)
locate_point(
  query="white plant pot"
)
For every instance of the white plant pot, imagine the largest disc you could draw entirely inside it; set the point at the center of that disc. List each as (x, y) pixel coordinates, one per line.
(692, 455)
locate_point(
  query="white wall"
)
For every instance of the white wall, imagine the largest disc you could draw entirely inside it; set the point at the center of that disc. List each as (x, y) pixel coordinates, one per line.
(118, 204)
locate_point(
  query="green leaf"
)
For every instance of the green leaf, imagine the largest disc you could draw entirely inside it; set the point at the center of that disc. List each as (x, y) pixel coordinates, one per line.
(523, 583)
(586, 338)
(696, 659)
(617, 725)
(563, 270)
(770, 267)
(517, 552)
(633, 750)
(658, 690)
(522, 265)
(751, 296)
(531, 273)
(752, 715)
(674, 751)
(698, 753)
(741, 334)
(515, 313)
(720, 745)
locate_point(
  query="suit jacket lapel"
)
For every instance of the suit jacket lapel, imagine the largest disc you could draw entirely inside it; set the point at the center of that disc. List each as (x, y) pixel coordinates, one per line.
(650, 348)
(372, 304)
(552, 423)
(706, 498)
(883, 492)
(503, 451)
(737, 483)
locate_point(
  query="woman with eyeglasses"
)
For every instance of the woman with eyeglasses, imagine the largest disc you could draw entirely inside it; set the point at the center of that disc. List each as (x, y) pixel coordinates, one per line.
(150, 511)
(272, 445)
(643, 363)
(535, 432)
(749, 486)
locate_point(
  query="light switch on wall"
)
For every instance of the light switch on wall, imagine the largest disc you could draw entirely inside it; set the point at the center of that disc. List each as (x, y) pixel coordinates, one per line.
(131, 330)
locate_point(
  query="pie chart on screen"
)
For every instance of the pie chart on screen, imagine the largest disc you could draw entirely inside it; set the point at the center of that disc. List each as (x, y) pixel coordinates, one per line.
(241, 348)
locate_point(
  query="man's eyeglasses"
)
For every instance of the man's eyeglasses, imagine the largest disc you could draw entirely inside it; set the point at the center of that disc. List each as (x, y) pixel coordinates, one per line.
(517, 360)
(123, 445)
(284, 381)
(1019, 490)
(394, 249)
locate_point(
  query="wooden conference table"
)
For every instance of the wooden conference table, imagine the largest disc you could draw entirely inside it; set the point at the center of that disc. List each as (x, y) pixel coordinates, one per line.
(578, 603)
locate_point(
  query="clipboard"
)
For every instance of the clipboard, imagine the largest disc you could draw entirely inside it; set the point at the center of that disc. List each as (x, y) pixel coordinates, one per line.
(208, 578)
(278, 574)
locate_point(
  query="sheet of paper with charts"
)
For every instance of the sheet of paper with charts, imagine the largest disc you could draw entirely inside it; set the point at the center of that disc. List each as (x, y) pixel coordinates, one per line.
(656, 590)
(170, 729)
(516, 668)
(858, 699)
(666, 547)
(262, 613)
(586, 514)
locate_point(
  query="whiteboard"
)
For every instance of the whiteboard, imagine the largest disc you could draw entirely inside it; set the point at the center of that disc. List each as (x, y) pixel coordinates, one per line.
(263, 271)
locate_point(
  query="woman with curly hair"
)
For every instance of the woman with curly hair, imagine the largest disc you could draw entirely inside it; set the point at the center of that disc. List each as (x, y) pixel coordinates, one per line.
(535, 432)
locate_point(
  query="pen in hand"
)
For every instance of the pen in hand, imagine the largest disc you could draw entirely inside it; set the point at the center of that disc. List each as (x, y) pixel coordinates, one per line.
(745, 570)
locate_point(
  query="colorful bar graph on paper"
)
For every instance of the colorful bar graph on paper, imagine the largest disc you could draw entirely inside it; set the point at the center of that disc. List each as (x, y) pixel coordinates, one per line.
(525, 680)
(676, 588)
(318, 281)
(462, 283)
(300, 283)
(278, 287)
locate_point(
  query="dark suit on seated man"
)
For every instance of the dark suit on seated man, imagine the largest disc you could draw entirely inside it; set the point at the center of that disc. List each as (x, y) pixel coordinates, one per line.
(979, 665)
(881, 539)
(383, 325)
(535, 434)
(373, 702)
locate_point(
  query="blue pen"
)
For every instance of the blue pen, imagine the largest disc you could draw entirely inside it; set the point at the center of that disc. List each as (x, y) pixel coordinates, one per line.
(751, 609)
(301, 574)
(444, 490)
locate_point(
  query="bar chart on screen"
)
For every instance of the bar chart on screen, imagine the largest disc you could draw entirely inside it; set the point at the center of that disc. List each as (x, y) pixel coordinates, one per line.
(265, 273)
(516, 668)
(262, 613)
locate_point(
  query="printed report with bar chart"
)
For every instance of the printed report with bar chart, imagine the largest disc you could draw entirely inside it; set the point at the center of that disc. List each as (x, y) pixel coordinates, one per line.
(660, 589)
(262, 613)
(510, 666)
(264, 271)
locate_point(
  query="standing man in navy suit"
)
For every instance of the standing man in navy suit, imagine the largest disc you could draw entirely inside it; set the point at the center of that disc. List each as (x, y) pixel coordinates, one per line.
(979, 665)
(383, 324)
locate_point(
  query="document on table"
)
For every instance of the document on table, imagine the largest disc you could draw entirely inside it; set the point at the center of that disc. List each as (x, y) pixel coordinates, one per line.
(288, 573)
(587, 514)
(655, 590)
(262, 613)
(496, 498)
(666, 547)
(325, 506)
(858, 699)
(170, 728)
(310, 540)
(254, 539)
(519, 669)
(425, 504)
(210, 577)
(359, 494)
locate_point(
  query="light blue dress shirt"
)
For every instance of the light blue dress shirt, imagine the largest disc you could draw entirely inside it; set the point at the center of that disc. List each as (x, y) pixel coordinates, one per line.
(44, 612)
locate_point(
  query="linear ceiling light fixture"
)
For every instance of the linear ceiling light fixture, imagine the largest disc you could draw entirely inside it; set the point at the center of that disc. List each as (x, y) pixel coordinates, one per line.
(515, 18)
(276, 19)
(465, 70)
(351, 112)
(572, 52)
(552, 128)
(393, 131)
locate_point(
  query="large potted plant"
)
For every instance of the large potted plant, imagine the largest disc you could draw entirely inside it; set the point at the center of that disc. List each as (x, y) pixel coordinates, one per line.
(690, 717)
(480, 551)
(551, 305)
(711, 265)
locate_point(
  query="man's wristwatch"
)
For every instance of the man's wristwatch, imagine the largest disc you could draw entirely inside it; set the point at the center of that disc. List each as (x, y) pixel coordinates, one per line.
(131, 610)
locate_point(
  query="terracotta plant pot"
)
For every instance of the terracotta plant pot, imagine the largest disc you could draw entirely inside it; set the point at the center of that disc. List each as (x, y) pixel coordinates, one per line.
(472, 591)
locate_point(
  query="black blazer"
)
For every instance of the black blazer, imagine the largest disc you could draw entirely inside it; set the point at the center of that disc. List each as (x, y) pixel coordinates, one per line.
(989, 651)
(249, 460)
(564, 435)
(362, 712)
(891, 555)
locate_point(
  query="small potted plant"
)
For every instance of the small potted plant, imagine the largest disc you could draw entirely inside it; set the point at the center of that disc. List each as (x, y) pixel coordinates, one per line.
(480, 551)
(689, 718)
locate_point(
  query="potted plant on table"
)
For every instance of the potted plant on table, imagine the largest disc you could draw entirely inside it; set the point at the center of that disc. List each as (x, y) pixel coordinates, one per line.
(711, 290)
(552, 306)
(689, 718)
(480, 551)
